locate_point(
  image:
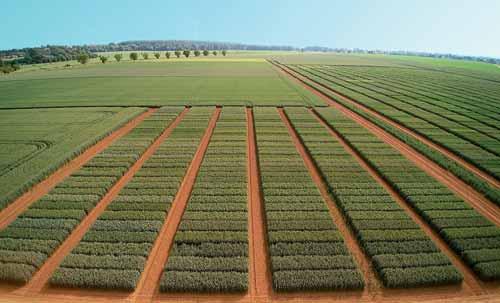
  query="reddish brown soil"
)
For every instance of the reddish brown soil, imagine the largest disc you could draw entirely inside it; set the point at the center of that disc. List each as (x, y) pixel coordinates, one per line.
(470, 283)
(475, 199)
(40, 279)
(260, 276)
(372, 284)
(148, 282)
(471, 167)
(19, 205)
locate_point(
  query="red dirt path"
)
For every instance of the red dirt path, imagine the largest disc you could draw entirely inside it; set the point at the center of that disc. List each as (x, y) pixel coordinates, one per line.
(19, 205)
(471, 167)
(147, 286)
(260, 277)
(475, 199)
(40, 279)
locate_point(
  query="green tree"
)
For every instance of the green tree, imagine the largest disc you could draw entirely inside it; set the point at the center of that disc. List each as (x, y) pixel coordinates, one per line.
(177, 53)
(224, 52)
(103, 59)
(118, 57)
(134, 56)
(205, 53)
(145, 56)
(215, 53)
(197, 53)
(167, 54)
(157, 55)
(82, 58)
(186, 53)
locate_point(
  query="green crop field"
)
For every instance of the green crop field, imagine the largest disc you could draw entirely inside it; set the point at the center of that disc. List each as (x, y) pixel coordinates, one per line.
(150, 83)
(258, 176)
(36, 142)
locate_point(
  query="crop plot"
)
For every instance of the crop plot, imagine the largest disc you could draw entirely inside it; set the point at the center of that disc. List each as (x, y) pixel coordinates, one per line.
(306, 250)
(211, 246)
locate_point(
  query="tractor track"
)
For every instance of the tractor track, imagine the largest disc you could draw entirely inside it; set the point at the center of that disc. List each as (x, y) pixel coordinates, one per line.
(260, 276)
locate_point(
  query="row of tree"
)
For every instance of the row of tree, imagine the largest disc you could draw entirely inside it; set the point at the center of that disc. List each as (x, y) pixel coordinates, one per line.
(84, 58)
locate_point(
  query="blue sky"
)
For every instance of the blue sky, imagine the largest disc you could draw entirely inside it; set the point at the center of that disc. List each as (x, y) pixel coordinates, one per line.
(456, 26)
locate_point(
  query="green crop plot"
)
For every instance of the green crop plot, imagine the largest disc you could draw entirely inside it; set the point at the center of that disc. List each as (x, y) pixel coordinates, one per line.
(34, 143)
(211, 246)
(306, 249)
(154, 83)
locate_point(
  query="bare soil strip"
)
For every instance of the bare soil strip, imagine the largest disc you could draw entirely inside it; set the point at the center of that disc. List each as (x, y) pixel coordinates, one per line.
(471, 167)
(148, 282)
(373, 287)
(18, 206)
(475, 199)
(260, 276)
(40, 279)
(470, 282)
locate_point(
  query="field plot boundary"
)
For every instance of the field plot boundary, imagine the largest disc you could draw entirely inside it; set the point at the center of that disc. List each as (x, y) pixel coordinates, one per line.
(260, 276)
(459, 160)
(373, 286)
(40, 279)
(147, 286)
(14, 209)
(470, 280)
(469, 194)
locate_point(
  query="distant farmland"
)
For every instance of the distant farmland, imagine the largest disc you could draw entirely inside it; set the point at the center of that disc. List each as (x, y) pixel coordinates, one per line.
(312, 177)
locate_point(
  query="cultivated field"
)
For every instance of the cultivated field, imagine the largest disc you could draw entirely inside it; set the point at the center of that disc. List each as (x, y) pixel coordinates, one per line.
(253, 178)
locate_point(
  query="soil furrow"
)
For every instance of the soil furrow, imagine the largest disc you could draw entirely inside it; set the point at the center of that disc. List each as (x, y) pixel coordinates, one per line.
(481, 204)
(260, 276)
(40, 279)
(470, 167)
(470, 281)
(373, 286)
(11, 212)
(158, 257)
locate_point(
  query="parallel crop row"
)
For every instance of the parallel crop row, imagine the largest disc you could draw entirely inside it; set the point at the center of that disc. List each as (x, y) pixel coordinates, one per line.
(467, 119)
(113, 252)
(58, 134)
(307, 252)
(211, 246)
(465, 102)
(28, 241)
(471, 145)
(401, 253)
(470, 235)
(462, 91)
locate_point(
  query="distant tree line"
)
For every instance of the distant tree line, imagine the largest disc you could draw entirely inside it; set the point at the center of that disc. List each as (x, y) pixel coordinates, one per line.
(173, 45)
(55, 53)
(45, 54)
